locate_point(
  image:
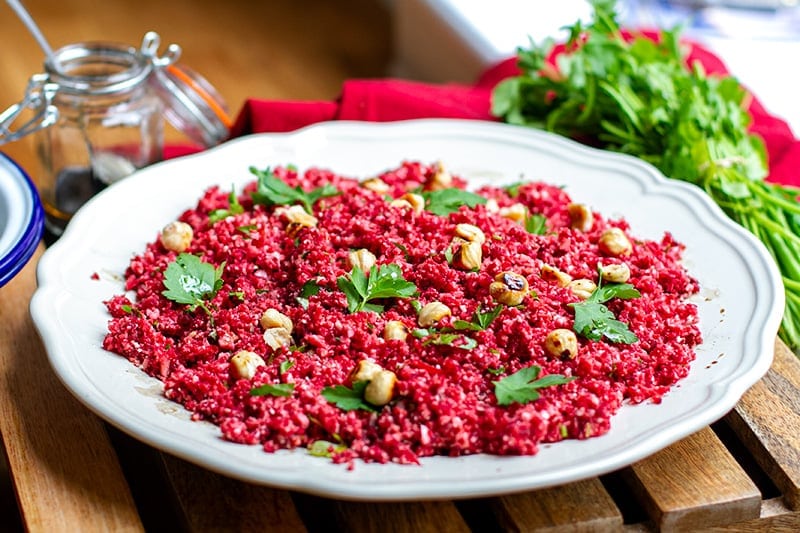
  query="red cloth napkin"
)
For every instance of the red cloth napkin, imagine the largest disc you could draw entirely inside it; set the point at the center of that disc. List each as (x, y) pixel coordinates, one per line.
(386, 100)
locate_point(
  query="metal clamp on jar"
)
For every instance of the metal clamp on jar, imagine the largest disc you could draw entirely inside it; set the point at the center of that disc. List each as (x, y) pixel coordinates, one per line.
(98, 115)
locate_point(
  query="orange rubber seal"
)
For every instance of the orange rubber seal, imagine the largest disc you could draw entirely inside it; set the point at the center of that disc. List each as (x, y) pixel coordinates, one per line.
(207, 98)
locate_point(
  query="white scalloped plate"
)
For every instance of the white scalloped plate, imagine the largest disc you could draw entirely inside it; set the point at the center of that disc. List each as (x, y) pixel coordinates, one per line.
(740, 303)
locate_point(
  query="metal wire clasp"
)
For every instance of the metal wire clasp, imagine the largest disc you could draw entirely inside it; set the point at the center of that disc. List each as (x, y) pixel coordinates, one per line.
(149, 50)
(38, 97)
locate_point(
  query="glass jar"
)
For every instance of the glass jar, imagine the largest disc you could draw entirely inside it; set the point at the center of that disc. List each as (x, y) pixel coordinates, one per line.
(109, 124)
(98, 114)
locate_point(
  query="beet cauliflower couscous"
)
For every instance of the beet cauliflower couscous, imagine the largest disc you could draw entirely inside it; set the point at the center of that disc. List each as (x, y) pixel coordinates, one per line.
(404, 316)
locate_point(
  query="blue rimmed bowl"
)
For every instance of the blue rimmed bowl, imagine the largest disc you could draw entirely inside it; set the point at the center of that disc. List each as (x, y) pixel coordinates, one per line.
(21, 219)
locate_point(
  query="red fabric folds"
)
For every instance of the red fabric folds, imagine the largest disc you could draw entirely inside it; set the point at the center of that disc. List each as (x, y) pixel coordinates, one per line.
(385, 100)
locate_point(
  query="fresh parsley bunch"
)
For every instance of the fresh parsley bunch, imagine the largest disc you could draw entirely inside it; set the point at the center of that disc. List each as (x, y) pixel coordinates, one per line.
(637, 96)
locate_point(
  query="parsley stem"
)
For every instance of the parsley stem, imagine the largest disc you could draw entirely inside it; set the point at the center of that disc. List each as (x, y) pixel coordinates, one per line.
(794, 285)
(776, 195)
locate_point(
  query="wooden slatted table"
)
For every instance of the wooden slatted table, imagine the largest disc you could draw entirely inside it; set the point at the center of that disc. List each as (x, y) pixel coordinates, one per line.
(66, 470)
(70, 471)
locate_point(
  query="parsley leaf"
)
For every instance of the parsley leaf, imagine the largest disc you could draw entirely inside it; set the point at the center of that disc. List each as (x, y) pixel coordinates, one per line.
(513, 189)
(190, 281)
(234, 208)
(273, 389)
(285, 366)
(385, 281)
(594, 320)
(271, 190)
(446, 201)
(536, 224)
(443, 338)
(324, 448)
(346, 398)
(309, 289)
(480, 320)
(522, 386)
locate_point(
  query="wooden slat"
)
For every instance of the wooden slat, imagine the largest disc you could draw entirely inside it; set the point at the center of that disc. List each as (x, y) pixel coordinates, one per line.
(782, 523)
(63, 466)
(211, 502)
(396, 517)
(694, 483)
(581, 506)
(767, 420)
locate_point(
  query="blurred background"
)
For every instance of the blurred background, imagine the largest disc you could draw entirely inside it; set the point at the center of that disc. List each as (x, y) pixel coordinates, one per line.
(758, 40)
(276, 49)
(283, 49)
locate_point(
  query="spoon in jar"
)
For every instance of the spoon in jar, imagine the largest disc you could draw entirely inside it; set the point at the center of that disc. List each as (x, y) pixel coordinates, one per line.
(26, 19)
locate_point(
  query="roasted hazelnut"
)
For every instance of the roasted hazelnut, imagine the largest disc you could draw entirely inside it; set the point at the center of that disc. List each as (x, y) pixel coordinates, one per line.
(516, 212)
(363, 259)
(440, 179)
(580, 217)
(411, 201)
(509, 288)
(468, 256)
(380, 389)
(277, 337)
(297, 217)
(244, 364)
(365, 370)
(613, 241)
(561, 343)
(395, 330)
(554, 275)
(470, 233)
(582, 288)
(620, 273)
(177, 236)
(375, 185)
(432, 313)
(272, 318)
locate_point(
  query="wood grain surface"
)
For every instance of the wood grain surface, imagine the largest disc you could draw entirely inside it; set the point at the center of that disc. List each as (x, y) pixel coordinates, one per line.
(66, 468)
(694, 483)
(767, 420)
(581, 506)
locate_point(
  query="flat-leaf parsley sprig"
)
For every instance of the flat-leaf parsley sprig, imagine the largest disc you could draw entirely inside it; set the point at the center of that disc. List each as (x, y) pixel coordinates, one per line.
(384, 281)
(594, 320)
(348, 399)
(192, 282)
(271, 190)
(445, 201)
(523, 385)
(273, 389)
(234, 208)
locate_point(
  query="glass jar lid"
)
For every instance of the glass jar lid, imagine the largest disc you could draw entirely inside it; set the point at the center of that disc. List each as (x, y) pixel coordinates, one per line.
(192, 104)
